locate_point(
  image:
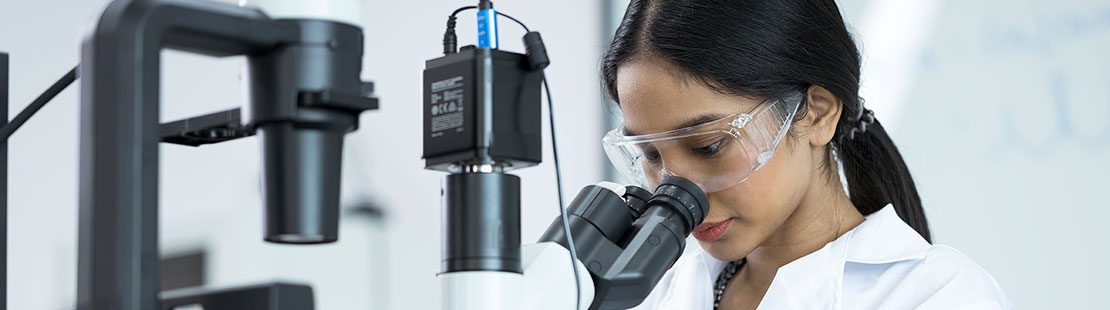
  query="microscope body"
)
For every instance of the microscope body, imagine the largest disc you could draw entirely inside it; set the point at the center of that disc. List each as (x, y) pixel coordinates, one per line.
(481, 120)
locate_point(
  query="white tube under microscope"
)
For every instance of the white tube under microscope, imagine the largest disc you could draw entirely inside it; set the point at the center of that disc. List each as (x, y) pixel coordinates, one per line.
(345, 11)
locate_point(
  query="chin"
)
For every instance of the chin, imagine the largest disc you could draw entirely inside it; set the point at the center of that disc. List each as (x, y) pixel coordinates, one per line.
(721, 250)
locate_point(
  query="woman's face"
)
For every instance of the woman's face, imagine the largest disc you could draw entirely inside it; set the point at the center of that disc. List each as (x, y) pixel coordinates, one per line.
(656, 97)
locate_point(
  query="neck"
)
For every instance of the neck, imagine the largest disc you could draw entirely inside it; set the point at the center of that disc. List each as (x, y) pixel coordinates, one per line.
(825, 213)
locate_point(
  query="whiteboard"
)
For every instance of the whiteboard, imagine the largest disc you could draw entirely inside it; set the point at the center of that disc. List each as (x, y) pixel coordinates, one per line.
(1004, 125)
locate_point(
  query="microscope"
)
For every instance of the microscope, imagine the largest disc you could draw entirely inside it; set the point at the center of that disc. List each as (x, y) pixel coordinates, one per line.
(481, 121)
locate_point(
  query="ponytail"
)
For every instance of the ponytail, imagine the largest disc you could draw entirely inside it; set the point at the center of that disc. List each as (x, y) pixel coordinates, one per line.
(878, 176)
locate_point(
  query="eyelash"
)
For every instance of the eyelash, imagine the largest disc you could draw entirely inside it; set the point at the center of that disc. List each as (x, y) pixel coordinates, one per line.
(706, 151)
(652, 156)
(709, 150)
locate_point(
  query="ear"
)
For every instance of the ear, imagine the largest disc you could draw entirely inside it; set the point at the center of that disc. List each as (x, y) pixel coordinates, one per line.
(823, 115)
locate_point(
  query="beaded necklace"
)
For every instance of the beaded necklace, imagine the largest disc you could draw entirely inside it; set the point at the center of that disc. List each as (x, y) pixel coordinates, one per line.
(722, 280)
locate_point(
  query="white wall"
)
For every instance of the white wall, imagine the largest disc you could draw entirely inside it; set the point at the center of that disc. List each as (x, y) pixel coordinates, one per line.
(209, 195)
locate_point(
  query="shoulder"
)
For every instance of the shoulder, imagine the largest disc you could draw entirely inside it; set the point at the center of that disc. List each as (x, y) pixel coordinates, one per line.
(951, 269)
(944, 278)
(889, 265)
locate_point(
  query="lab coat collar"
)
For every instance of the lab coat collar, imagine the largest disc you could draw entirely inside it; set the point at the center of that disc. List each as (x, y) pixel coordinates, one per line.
(885, 238)
(814, 281)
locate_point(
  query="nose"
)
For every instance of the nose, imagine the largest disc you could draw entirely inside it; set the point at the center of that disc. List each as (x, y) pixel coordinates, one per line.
(674, 163)
(664, 173)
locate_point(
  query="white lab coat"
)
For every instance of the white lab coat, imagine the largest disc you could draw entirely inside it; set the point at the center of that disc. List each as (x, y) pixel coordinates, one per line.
(880, 264)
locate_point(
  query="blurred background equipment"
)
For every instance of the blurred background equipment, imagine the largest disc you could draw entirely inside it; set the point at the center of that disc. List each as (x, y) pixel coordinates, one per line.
(305, 96)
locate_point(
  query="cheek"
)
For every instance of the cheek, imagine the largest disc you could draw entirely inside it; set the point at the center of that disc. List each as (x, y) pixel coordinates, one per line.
(770, 193)
(786, 177)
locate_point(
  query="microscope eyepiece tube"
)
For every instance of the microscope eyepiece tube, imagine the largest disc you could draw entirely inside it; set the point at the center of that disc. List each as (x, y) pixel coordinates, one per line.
(684, 197)
(637, 198)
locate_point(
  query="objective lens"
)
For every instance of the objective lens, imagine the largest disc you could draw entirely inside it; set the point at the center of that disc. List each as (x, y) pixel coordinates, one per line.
(301, 189)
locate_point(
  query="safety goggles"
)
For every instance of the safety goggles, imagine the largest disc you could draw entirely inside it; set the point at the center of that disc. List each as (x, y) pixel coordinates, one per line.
(715, 155)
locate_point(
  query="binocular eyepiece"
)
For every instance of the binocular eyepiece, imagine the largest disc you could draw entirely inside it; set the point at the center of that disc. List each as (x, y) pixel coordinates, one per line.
(681, 202)
(628, 240)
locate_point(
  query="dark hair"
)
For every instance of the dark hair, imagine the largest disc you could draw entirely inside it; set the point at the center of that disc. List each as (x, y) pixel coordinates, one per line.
(770, 49)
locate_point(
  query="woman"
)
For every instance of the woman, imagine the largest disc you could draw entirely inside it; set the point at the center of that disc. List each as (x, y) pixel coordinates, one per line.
(811, 205)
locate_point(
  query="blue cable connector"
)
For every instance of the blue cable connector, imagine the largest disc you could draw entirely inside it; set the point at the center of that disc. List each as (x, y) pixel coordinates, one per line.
(487, 28)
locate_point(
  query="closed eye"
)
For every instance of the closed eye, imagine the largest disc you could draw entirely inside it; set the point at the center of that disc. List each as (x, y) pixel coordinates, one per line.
(652, 156)
(711, 149)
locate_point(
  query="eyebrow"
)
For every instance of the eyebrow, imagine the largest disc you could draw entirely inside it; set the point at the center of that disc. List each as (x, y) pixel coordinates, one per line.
(698, 120)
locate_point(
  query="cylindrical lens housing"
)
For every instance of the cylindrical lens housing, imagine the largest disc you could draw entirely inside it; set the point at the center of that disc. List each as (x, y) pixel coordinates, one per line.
(481, 223)
(301, 172)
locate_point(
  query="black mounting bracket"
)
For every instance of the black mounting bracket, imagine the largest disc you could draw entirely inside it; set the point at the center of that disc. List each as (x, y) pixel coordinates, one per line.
(227, 125)
(271, 296)
(206, 129)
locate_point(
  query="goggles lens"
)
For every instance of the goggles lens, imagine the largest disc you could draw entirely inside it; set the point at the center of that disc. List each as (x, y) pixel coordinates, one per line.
(716, 155)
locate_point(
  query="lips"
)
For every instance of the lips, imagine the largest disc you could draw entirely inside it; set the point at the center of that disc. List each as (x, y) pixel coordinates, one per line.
(711, 231)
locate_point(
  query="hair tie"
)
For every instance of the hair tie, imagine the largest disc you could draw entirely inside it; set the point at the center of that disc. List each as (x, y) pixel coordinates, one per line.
(865, 118)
